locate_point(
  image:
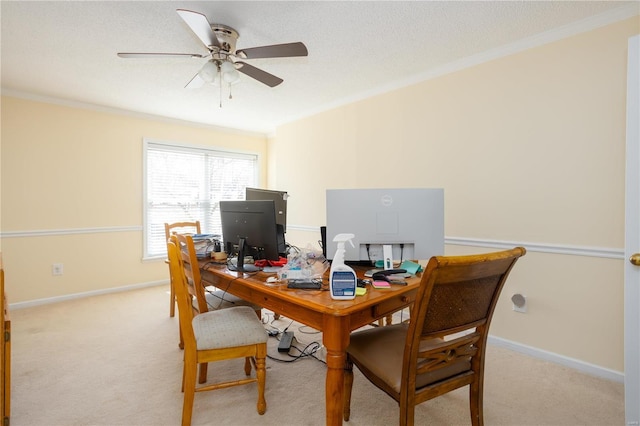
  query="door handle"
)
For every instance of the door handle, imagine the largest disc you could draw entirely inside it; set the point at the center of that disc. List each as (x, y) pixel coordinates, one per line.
(635, 259)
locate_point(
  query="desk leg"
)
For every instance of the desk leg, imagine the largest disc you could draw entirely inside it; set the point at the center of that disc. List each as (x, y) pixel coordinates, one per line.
(335, 337)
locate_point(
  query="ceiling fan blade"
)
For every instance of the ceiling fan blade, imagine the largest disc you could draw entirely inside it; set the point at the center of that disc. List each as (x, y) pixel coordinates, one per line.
(260, 75)
(200, 26)
(195, 83)
(159, 55)
(274, 51)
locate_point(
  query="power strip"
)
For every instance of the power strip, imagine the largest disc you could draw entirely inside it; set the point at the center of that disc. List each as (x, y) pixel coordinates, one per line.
(285, 341)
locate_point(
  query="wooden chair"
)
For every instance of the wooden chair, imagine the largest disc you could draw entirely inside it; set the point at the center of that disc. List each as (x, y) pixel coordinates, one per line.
(204, 301)
(215, 336)
(442, 348)
(5, 353)
(170, 228)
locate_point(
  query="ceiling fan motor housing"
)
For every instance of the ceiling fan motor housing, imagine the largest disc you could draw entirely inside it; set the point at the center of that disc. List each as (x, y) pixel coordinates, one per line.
(227, 37)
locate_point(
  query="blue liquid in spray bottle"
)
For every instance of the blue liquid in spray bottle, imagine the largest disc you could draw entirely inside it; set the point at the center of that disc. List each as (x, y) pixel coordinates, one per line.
(342, 279)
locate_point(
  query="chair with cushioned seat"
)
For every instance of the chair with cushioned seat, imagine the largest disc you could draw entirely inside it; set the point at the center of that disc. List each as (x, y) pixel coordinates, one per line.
(218, 335)
(172, 228)
(204, 299)
(442, 348)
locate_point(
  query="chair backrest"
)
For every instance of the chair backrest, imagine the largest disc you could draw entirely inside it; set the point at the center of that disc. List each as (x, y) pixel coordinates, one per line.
(181, 228)
(5, 354)
(2, 302)
(456, 300)
(191, 269)
(183, 297)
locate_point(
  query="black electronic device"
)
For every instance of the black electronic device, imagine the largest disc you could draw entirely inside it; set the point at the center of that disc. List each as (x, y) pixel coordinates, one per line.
(390, 271)
(363, 283)
(285, 341)
(380, 277)
(304, 284)
(323, 240)
(393, 276)
(249, 229)
(280, 203)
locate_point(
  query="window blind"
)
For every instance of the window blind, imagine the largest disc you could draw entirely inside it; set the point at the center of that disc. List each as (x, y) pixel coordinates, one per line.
(186, 184)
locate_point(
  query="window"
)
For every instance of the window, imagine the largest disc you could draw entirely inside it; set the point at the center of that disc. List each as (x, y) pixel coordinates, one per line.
(186, 183)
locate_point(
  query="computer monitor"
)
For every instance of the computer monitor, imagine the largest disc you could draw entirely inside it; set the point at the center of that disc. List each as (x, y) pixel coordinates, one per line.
(280, 200)
(249, 228)
(278, 197)
(407, 221)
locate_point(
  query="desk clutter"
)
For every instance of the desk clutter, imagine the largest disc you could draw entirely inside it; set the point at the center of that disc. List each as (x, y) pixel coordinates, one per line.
(303, 264)
(374, 278)
(303, 268)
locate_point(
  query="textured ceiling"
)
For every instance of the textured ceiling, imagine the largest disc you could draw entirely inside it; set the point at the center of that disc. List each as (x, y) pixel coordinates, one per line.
(67, 50)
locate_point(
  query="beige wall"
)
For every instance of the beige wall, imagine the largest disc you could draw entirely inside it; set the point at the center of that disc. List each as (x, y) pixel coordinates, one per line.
(77, 174)
(529, 149)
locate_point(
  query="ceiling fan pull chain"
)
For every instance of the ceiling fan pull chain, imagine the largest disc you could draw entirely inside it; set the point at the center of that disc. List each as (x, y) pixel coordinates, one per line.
(230, 97)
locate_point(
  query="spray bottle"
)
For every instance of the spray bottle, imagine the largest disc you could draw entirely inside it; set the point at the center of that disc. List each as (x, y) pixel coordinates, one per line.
(342, 279)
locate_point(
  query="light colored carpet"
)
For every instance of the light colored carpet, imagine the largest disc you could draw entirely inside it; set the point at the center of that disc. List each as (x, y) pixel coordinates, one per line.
(114, 360)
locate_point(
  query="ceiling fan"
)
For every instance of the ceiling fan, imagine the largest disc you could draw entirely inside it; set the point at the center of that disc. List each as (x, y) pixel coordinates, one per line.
(224, 61)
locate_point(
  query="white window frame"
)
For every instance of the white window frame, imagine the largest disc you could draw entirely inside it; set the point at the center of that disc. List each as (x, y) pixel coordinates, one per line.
(152, 144)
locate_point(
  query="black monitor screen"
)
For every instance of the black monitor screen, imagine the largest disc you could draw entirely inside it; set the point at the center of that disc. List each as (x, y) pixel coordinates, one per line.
(278, 197)
(280, 201)
(249, 228)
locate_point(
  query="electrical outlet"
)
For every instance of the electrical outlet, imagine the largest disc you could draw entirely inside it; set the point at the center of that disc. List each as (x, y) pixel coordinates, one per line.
(519, 302)
(57, 269)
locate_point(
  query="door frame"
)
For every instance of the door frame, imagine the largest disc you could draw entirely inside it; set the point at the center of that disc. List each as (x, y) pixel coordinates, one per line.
(632, 239)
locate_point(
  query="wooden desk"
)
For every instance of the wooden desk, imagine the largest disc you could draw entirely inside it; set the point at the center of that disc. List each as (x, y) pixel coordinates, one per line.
(335, 318)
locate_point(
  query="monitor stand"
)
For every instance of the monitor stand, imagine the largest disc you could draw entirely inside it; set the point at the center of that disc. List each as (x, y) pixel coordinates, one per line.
(387, 256)
(240, 266)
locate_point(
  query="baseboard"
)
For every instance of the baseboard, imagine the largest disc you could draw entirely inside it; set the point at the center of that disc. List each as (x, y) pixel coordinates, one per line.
(585, 367)
(56, 299)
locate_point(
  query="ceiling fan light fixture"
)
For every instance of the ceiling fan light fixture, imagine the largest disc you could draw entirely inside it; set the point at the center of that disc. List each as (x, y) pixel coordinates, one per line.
(229, 72)
(209, 72)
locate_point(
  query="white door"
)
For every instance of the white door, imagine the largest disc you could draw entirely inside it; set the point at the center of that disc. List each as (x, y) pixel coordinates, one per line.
(632, 240)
